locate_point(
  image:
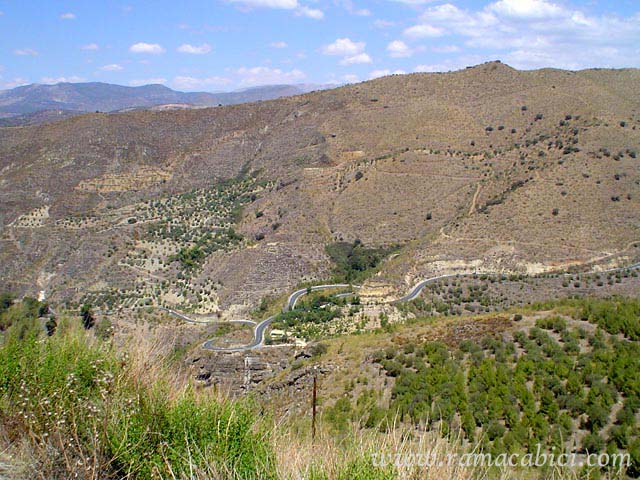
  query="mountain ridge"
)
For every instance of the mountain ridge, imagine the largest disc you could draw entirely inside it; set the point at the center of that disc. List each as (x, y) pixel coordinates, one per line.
(484, 169)
(99, 96)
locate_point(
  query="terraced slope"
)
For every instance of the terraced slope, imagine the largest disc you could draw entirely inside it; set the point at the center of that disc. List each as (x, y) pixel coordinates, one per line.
(486, 169)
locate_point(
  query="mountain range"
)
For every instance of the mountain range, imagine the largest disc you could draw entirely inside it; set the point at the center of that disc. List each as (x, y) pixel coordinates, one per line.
(39, 103)
(488, 169)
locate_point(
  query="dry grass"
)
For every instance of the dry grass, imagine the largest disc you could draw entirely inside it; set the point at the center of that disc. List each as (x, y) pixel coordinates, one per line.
(299, 455)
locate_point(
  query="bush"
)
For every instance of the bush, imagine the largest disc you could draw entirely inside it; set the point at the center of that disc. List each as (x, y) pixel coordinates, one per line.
(318, 349)
(90, 415)
(6, 300)
(353, 261)
(88, 320)
(172, 438)
(364, 469)
(592, 443)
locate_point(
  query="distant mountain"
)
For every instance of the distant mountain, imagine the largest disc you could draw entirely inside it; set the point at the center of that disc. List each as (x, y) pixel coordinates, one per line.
(36, 118)
(487, 169)
(41, 103)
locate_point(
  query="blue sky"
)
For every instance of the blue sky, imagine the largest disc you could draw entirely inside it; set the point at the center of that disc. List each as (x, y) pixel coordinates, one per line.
(214, 45)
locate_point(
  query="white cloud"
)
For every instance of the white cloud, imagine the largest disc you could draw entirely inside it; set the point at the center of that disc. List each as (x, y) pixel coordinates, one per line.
(436, 67)
(193, 83)
(538, 33)
(147, 81)
(112, 67)
(526, 9)
(248, 77)
(445, 49)
(413, 2)
(423, 31)
(90, 46)
(399, 49)
(303, 11)
(68, 16)
(278, 45)
(447, 19)
(142, 47)
(351, 52)
(26, 52)
(350, 7)
(356, 59)
(194, 49)
(16, 82)
(383, 24)
(451, 64)
(384, 73)
(350, 78)
(344, 47)
(241, 78)
(283, 4)
(299, 9)
(53, 80)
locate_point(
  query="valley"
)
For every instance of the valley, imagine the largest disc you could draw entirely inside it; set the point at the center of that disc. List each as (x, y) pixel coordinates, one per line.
(451, 254)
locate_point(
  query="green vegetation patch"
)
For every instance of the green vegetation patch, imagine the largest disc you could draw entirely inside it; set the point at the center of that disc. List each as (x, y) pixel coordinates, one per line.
(200, 221)
(552, 385)
(354, 261)
(23, 314)
(88, 412)
(614, 316)
(320, 315)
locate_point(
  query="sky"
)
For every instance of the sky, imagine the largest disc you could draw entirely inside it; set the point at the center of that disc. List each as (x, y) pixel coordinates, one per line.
(222, 45)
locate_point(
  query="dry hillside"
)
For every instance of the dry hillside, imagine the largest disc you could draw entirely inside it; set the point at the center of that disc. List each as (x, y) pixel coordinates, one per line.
(488, 169)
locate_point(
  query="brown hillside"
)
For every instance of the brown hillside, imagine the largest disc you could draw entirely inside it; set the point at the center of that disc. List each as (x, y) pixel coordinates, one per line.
(516, 171)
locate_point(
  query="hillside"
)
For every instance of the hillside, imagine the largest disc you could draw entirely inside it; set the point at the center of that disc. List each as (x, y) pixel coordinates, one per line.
(38, 103)
(488, 169)
(83, 403)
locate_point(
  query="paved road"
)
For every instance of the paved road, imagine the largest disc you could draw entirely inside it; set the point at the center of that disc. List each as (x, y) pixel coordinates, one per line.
(258, 335)
(417, 289)
(182, 316)
(259, 330)
(258, 338)
(293, 298)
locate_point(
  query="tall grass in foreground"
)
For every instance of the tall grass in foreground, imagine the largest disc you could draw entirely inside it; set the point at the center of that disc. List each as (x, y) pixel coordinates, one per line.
(73, 406)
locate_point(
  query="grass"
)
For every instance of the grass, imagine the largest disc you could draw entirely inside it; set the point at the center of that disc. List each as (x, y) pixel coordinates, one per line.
(75, 406)
(81, 408)
(354, 262)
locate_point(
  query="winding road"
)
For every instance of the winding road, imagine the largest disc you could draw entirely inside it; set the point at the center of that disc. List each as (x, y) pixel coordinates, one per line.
(260, 328)
(258, 333)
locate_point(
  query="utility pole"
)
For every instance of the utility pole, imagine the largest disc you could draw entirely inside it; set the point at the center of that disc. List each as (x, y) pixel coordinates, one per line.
(313, 403)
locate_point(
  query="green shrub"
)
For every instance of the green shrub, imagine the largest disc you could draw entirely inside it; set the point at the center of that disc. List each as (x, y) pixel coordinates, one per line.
(75, 395)
(171, 438)
(364, 469)
(354, 261)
